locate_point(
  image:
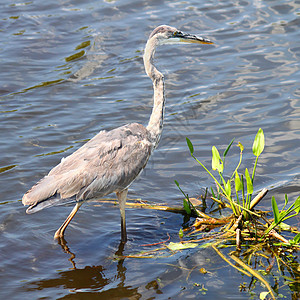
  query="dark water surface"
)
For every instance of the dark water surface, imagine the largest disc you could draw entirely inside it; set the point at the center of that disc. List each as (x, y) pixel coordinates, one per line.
(72, 68)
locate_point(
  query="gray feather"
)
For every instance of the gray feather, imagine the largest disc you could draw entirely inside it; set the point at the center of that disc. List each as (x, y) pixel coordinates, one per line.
(109, 162)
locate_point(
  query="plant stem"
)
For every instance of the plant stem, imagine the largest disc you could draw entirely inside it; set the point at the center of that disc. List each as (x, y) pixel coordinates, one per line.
(216, 181)
(256, 160)
(241, 155)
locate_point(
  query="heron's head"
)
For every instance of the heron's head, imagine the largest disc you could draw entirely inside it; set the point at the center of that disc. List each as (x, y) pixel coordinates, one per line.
(165, 34)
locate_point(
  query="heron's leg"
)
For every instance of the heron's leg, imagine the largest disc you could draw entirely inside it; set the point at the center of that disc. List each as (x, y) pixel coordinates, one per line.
(60, 232)
(122, 196)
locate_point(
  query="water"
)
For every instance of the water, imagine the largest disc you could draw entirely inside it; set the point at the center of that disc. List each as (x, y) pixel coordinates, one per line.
(72, 68)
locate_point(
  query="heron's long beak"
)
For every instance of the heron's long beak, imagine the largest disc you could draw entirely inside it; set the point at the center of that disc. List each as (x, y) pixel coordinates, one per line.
(190, 38)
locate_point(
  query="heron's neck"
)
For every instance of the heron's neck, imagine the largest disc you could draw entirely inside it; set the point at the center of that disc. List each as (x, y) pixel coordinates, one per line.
(155, 124)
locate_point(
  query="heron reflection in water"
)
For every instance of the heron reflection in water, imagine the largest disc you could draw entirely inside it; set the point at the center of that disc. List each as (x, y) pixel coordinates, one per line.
(111, 160)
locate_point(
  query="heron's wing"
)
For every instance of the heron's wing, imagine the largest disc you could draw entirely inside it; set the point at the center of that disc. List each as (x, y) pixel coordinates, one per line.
(108, 162)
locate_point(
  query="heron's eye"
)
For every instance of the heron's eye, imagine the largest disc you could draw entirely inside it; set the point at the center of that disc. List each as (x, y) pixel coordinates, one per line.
(177, 33)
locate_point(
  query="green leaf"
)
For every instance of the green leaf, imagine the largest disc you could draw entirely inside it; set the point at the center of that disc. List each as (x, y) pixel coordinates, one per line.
(216, 162)
(190, 145)
(297, 205)
(212, 192)
(180, 246)
(249, 182)
(237, 181)
(263, 295)
(286, 199)
(296, 239)
(227, 149)
(275, 210)
(176, 183)
(187, 207)
(284, 226)
(259, 143)
(180, 233)
(228, 188)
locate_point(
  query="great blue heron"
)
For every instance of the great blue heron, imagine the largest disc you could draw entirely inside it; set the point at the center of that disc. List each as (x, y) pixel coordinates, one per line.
(111, 160)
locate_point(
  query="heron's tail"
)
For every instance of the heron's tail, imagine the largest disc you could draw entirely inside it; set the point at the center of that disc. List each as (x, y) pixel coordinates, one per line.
(44, 194)
(52, 201)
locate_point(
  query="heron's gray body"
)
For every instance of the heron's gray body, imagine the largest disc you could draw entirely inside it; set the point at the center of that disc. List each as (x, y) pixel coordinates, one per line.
(111, 160)
(108, 163)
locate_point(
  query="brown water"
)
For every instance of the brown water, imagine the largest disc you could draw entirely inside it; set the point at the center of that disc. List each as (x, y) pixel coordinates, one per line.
(72, 68)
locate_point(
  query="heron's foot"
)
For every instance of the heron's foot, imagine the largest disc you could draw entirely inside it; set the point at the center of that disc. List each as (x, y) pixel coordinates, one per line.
(59, 234)
(120, 250)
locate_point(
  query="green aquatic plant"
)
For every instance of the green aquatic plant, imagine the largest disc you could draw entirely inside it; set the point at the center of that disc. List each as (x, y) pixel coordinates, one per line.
(225, 186)
(284, 214)
(236, 193)
(254, 236)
